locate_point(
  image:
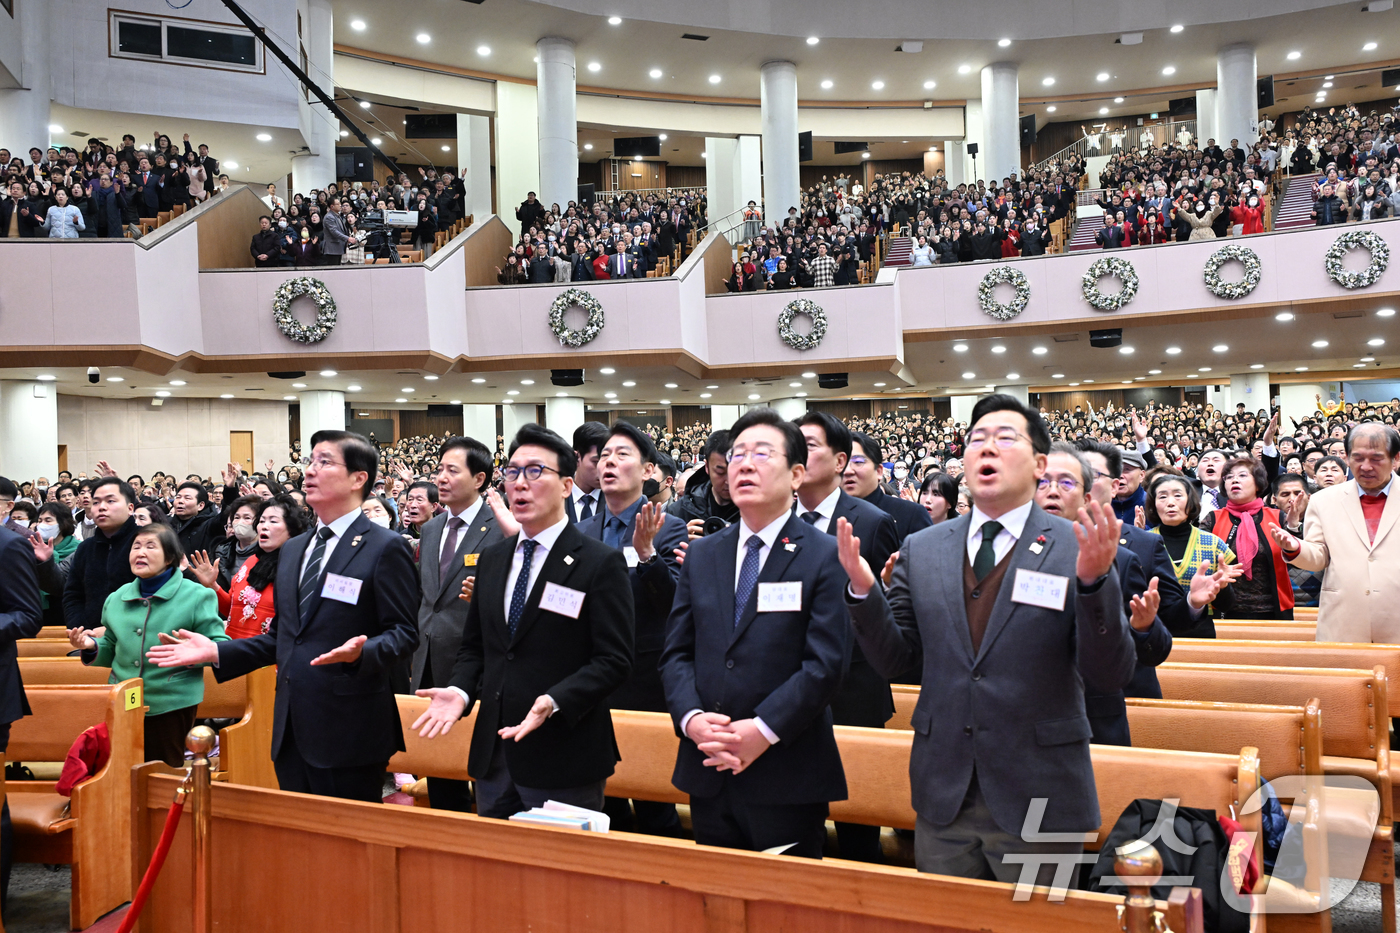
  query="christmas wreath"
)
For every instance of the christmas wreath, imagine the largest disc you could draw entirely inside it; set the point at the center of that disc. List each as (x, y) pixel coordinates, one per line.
(986, 293)
(1358, 239)
(1245, 257)
(809, 340)
(1109, 266)
(304, 287)
(576, 297)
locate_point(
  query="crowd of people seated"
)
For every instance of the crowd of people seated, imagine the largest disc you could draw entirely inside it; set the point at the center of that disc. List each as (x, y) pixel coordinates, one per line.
(621, 235)
(102, 191)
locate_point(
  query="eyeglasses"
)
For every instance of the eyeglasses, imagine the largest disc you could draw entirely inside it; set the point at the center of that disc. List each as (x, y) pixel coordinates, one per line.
(757, 455)
(1004, 438)
(1066, 484)
(859, 461)
(532, 472)
(1102, 475)
(320, 463)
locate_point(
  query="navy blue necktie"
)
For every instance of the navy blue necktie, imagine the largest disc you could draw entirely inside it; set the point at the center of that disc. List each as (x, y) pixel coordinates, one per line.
(312, 573)
(748, 577)
(612, 532)
(522, 586)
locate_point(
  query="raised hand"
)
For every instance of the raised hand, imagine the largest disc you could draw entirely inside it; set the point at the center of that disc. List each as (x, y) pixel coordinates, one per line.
(1139, 517)
(204, 570)
(43, 550)
(347, 653)
(650, 518)
(848, 550)
(1139, 427)
(81, 639)
(1097, 532)
(1285, 540)
(183, 649)
(1144, 607)
(504, 520)
(446, 708)
(887, 574)
(541, 710)
(1206, 586)
(468, 587)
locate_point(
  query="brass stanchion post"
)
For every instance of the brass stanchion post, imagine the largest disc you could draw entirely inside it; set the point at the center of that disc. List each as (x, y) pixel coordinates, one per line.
(1138, 866)
(200, 741)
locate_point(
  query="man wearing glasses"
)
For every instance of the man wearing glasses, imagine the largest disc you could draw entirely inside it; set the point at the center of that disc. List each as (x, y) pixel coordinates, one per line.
(347, 596)
(1008, 647)
(547, 640)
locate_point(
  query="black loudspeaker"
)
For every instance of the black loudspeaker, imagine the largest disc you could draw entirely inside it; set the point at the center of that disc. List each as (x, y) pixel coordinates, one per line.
(841, 148)
(587, 194)
(1179, 106)
(832, 380)
(972, 149)
(566, 377)
(1266, 91)
(1390, 77)
(430, 126)
(1106, 338)
(627, 147)
(1028, 130)
(354, 164)
(804, 146)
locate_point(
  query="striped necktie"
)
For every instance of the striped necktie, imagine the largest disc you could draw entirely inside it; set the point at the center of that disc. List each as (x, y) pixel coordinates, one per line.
(312, 573)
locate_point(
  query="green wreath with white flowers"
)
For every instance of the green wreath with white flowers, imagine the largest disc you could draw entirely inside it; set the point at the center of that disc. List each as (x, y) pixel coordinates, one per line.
(304, 287)
(576, 298)
(813, 338)
(1004, 275)
(1109, 267)
(1368, 240)
(1253, 272)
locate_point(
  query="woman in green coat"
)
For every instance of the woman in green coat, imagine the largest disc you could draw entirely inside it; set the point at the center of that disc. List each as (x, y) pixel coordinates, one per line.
(55, 543)
(158, 602)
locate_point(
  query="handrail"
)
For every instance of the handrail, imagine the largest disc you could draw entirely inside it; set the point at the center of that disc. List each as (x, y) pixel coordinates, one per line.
(620, 191)
(713, 223)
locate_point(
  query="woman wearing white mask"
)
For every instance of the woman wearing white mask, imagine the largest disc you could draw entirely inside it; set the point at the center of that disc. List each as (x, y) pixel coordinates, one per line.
(54, 542)
(234, 550)
(376, 509)
(248, 604)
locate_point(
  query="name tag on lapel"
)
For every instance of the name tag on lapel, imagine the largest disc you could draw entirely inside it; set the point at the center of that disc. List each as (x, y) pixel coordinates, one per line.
(780, 597)
(1045, 590)
(562, 599)
(341, 589)
(469, 560)
(630, 553)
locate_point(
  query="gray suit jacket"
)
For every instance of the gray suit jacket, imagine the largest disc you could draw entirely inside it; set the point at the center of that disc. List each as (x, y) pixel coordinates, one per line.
(441, 614)
(333, 234)
(1014, 711)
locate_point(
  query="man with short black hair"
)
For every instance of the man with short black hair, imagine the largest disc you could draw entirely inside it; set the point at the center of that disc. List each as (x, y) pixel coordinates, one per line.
(584, 499)
(101, 564)
(190, 520)
(862, 480)
(708, 497)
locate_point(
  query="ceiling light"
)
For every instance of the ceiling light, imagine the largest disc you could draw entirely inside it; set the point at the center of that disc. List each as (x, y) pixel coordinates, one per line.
(1178, 27)
(376, 140)
(1118, 100)
(49, 377)
(358, 25)
(1040, 351)
(655, 72)
(344, 133)
(932, 148)
(115, 379)
(755, 397)
(1192, 376)
(352, 388)
(1154, 372)
(226, 395)
(1057, 375)
(1329, 77)
(662, 401)
(614, 20)
(798, 385)
(455, 401)
(1294, 56)
(930, 85)
(1386, 312)
(1074, 383)
(1220, 348)
(512, 392)
(1319, 344)
(406, 391)
(561, 395)
(1088, 380)
(1050, 109)
(162, 394)
(430, 378)
(1169, 70)
(959, 348)
(607, 370)
(1327, 84)
(1300, 369)
(1126, 351)
(801, 394)
(1256, 365)
(295, 385)
(177, 382)
(1369, 47)
(1127, 382)
(399, 400)
(998, 349)
(827, 84)
(1013, 375)
(878, 85)
(1103, 111)
(629, 383)
(714, 79)
(264, 137)
(672, 385)
(1284, 316)
(878, 385)
(1102, 76)
(1048, 82)
(483, 50)
(1368, 359)
(328, 373)
(478, 380)
(704, 394)
(969, 375)
(587, 145)
(423, 38)
(1358, 365)
(865, 155)
(1173, 351)
(595, 66)
(1003, 42)
(446, 148)
(812, 40)
(1203, 369)
(1375, 342)
(662, 137)
(804, 376)
(964, 69)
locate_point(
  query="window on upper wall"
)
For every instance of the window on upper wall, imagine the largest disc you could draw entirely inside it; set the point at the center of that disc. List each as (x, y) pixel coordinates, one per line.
(184, 42)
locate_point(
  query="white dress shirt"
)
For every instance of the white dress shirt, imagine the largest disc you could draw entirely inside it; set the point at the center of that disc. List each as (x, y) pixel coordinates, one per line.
(1013, 523)
(825, 508)
(338, 528)
(467, 515)
(579, 495)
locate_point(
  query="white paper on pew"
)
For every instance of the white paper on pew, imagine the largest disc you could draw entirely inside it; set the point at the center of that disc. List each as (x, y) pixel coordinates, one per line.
(598, 822)
(779, 850)
(540, 818)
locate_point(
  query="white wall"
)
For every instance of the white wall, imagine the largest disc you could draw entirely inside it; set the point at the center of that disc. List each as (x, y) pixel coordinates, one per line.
(517, 148)
(11, 57)
(392, 82)
(1298, 400)
(28, 430)
(1377, 391)
(182, 436)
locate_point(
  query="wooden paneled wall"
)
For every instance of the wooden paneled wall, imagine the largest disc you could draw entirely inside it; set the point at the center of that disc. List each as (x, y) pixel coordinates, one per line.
(892, 406)
(485, 248)
(632, 175)
(843, 408)
(684, 416)
(1099, 398)
(439, 420)
(686, 176)
(226, 226)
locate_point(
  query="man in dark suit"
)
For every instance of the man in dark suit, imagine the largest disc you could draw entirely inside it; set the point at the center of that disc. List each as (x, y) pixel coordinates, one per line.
(756, 647)
(623, 263)
(862, 480)
(547, 640)
(346, 595)
(101, 563)
(21, 616)
(585, 498)
(648, 539)
(448, 554)
(1008, 648)
(864, 697)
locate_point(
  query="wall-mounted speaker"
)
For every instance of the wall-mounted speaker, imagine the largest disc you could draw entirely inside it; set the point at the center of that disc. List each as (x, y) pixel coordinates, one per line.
(832, 380)
(1266, 91)
(1028, 130)
(804, 146)
(566, 377)
(1106, 338)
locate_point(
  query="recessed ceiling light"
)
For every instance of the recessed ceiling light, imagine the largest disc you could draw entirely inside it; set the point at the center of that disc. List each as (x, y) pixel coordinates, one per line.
(162, 394)
(376, 140)
(1088, 380)
(478, 380)
(1103, 111)
(406, 391)
(400, 400)
(512, 392)
(455, 401)
(1178, 27)
(1126, 351)
(226, 395)
(663, 401)
(1284, 316)
(798, 385)
(969, 375)
(878, 385)
(587, 145)
(49, 377)
(115, 379)
(1203, 369)
(672, 385)
(629, 383)
(1192, 376)
(344, 133)
(1013, 375)
(423, 38)
(714, 79)
(1040, 351)
(295, 385)
(704, 394)
(998, 349)
(964, 69)
(328, 373)
(1300, 369)
(358, 25)
(801, 394)
(1368, 359)
(1074, 383)
(1220, 348)
(865, 155)
(1294, 56)
(1127, 382)
(352, 388)
(1375, 342)
(1050, 109)
(527, 382)
(1358, 365)
(755, 397)
(1329, 77)
(1385, 312)
(1154, 372)
(959, 348)
(1047, 81)
(1319, 344)
(446, 148)
(561, 395)
(177, 382)
(1256, 365)
(812, 40)
(1101, 76)
(264, 137)
(878, 85)
(1003, 42)
(1369, 47)
(595, 66)
(614, 20)
(1169, 70)
(1173, 351)
(804, 376)
(1118, 100)
(483, 50)
(827, 84)
(1057, 375)
(662, 137)
(930, 85)
(655, 72)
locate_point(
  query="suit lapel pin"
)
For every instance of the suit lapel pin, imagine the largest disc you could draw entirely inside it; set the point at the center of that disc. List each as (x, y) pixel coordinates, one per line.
(1038, 546)
(568, 558)
(356, 541)
(790, 547)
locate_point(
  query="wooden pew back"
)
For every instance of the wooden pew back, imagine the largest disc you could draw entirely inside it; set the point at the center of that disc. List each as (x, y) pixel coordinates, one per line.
(444, 756)
(43, 647)
(1288, 738)
(1352, 655)
(1259, 631)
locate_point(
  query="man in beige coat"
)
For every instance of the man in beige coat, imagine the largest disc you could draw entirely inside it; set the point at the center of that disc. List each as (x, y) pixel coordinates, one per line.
(1350, 532)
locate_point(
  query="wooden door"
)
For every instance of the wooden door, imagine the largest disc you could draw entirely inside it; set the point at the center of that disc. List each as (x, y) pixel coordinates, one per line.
(62, 459)
(240, 449)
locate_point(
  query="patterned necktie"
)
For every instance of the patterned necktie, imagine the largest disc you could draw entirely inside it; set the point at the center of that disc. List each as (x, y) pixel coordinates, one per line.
(312, 573)
(449, 549)
(811, 518)
(522, 586)
(586, 508)
(748, 577)
(986, 559)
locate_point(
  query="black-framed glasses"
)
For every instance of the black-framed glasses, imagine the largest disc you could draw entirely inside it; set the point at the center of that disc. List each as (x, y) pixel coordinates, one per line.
(532, 472)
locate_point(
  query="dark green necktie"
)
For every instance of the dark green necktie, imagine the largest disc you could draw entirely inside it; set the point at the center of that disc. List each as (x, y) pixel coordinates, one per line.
(986, 559)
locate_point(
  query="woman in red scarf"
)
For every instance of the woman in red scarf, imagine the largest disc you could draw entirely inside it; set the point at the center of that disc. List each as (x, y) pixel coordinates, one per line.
(1265, 591)
(1249, 215)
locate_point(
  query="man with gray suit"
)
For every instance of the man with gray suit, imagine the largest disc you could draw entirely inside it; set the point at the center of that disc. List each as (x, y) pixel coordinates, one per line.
(334, 236)
(447, 555)
(1008, 647)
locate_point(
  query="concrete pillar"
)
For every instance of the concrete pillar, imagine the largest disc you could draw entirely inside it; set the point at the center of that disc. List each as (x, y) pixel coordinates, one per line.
(1001, 118)
(777, 94)
(474, 163)
(320, 411)
(1206, 127)
(789, 408)
(959, 167)
(558, 121)
(28, 428)
(517, 148)
(479, 422)
(722, 195)
(563, 415)
(962, 407)
(1252, 389)
(24, 110)
(512, 417)
(316, 169)
(722, 416)
(1237, 100)
(1020, 393)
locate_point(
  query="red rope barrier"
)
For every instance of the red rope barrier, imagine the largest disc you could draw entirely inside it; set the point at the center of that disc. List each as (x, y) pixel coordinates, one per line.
(172, 821)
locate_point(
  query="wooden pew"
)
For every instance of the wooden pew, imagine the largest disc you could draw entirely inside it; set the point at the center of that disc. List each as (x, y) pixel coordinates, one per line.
(244, 747)
(1361, 655)
(52, 631)
(1289, 738)
(396, 868)
(44, 647)
(1261, 631)
(91, 832)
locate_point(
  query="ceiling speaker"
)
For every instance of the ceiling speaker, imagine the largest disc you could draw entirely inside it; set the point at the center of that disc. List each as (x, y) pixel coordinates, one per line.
(832, 380)
(1106, 338)
(566, 377)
